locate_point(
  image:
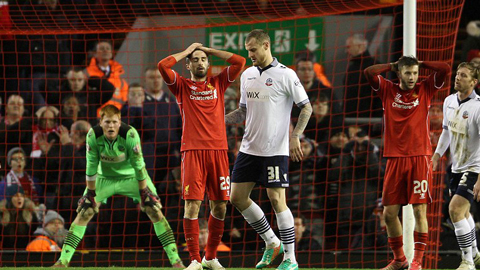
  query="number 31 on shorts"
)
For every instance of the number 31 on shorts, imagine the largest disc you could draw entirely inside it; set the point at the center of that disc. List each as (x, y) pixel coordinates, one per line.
(420, 187)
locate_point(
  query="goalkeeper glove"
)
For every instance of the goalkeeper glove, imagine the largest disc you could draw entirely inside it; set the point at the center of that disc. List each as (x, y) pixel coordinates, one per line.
(87, 201)
(149, 199)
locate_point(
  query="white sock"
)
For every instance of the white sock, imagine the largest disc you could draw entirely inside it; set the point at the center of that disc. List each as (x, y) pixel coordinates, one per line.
(464, 238)
(287, 234)
(256, 218)
(471, 222)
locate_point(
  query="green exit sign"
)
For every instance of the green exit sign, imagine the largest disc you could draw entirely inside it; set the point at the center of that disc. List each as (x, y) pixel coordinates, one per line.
(288, 37)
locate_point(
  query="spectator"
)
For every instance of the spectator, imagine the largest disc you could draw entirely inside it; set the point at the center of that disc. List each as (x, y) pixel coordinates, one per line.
(359, 99)
(305, 70)
(17, 160)
(18, 218)
(45, 155)
(72, 111)
(44, 136)
(90, 92)
(318, 68)
(436, 116)
(103, 66)
(302, 194)
(373, 232)
(161, 150)
(473, 40)
(15, 129)
(72, 167)
(339, 169)
(322, 122)
(51, 235)
(134, 114)
(360, 188)
(303, 237)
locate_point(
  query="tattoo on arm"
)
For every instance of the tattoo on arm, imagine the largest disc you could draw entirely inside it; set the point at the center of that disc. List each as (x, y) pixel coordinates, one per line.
(237, 116)
(303, 118)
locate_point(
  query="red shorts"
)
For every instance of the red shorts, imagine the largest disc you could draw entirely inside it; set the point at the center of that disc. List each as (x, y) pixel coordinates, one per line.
(205, 170)
(407, 180)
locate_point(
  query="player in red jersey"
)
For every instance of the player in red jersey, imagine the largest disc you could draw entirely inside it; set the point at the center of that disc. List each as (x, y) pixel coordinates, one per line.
(204, 143)
(407, 147)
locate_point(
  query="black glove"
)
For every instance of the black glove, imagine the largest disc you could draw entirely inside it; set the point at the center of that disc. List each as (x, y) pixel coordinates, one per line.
(87, 201)
(149, 199)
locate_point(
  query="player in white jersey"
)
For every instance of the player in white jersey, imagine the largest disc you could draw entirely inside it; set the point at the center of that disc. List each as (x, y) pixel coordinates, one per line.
(268, 90)
(461, 131)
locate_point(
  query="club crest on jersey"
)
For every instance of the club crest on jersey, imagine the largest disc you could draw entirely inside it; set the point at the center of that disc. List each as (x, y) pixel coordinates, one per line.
(465, 115)
(269, 82)
(121, 148)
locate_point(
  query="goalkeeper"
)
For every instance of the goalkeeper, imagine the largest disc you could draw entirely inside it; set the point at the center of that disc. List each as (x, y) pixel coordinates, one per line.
(115, 165)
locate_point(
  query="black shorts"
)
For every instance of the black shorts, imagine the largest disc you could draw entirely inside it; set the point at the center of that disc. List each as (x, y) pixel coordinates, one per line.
(462, 184)
(269, 172)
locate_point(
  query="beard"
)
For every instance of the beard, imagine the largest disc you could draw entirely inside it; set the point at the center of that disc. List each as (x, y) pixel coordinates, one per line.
(200, 73)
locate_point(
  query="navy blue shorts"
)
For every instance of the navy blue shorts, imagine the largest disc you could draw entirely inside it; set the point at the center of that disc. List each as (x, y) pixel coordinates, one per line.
(269, 172)
(462, 184)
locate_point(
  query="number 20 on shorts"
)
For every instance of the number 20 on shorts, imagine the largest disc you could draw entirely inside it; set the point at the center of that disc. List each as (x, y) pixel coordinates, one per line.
(420, 187)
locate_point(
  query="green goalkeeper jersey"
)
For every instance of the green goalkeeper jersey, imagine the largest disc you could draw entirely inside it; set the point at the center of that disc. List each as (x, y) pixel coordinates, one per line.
(118, 159)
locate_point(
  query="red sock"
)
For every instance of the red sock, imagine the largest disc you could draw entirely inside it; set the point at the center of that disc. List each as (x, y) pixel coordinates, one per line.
(420, 240)
(192, 232)
(215, 233)
(396, 244)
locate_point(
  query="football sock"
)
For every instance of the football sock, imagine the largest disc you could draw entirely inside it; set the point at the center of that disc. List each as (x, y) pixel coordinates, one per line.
(471, 222)
(215, 233)
(287, 234)
(464, 238)
(420, 240)
(165, 235)
(74, 237)
(192, 233)
(256, 218)
(396, 244)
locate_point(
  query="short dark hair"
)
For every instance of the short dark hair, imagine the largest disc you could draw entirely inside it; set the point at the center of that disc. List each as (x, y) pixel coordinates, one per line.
(152, 68)
(189, 57)
(305, 55)
(407, 61)
(259, 34)
(474, 71)
(135, 84)
(74, 69)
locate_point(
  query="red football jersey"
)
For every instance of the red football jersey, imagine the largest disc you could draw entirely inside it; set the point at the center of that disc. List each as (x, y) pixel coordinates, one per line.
(202, 105)
(406, 123)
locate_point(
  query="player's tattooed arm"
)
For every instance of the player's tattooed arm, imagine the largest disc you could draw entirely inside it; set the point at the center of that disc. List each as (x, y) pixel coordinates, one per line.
(237, 116)
(303, 118)
(296, 153)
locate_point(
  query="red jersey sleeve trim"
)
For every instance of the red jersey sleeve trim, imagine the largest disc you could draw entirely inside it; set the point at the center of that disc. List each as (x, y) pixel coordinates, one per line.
(165, 68)
(234, 70)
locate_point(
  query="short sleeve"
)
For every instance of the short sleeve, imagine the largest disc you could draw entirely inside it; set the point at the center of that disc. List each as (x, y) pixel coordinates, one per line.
(295, 88)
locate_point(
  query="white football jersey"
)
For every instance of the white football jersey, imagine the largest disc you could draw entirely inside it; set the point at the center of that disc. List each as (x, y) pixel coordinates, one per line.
(269, 95)
(462, 120)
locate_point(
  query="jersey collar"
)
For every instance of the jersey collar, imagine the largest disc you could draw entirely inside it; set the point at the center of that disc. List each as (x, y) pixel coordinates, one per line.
(273, 64)
(472, 96)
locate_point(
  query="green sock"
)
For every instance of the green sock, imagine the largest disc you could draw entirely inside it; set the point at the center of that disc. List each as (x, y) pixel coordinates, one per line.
(165, 235)
(74, 236)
